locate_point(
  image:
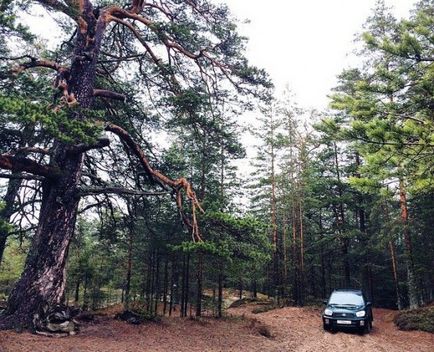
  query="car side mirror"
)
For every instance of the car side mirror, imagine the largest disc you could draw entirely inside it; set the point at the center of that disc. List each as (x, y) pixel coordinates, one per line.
(324, 302)
(368, 304)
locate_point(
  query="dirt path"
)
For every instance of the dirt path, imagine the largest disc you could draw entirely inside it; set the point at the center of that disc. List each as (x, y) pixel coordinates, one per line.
(292, 329)
(300, 330)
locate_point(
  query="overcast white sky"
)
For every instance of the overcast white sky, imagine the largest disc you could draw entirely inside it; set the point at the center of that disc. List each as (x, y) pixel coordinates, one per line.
(304, 43)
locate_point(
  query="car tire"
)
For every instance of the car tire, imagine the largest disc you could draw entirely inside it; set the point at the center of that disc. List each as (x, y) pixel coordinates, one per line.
(325, 327)
(367, 329)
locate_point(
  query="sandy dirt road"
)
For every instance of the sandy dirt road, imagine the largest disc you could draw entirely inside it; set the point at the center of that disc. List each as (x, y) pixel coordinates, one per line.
(300, 330)
(292, 329)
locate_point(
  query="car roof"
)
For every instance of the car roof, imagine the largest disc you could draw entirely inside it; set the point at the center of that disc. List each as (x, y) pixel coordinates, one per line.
(348, 290)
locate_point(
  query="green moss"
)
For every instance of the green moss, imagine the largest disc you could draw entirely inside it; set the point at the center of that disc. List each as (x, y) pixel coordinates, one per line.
(416, 319)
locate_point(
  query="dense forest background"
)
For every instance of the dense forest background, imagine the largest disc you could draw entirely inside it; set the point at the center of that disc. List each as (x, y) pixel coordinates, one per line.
(337, 198)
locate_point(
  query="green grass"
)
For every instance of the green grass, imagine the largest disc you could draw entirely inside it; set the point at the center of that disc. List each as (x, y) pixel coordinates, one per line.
(416, 319)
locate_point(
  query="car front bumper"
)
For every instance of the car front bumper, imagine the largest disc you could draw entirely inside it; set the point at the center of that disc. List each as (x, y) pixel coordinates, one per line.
(334, 322)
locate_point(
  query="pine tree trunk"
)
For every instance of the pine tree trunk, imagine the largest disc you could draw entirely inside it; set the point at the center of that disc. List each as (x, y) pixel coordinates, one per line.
(43, 280)
(157, 283)
(276, 279)
(323, 276)
(165, 283)
(77, 293)
(220, 295)
(7, 211)
(411, 279)
(395, 274)
(295, 264)
(187, 284)
(285, 256)
(199, 285)
(183, 284)
(302, 278)
(129, 267)
(340, 220)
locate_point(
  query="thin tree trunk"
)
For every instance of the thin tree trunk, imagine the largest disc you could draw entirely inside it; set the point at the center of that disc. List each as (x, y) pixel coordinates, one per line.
(77, 292)
(276, 280)
(187, 284)
(183, 285)
(165, 283)
(220, 295)
(323, 276)
(295, 261)
(129, 267)
(341, 225)
(7, 211)
(285, 255)
(157, 282)
(199, 285)
(395, 274)
(411, 279)
(302, 278)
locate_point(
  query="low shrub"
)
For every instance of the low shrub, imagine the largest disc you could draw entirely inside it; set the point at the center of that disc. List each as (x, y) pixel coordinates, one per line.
(416, 319)
(265, 308)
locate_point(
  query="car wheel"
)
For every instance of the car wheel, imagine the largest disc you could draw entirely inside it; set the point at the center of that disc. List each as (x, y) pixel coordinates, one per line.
(368, 327)
(325, 327)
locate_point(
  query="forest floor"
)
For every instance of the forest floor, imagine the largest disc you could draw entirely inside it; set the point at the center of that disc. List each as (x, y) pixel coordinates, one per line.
(284, 329)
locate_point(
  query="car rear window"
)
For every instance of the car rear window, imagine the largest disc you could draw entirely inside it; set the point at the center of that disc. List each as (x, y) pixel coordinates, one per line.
(346, 298)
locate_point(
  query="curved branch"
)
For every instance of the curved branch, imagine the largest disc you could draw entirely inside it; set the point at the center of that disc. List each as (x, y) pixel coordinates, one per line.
(37, 63)
(177, 185)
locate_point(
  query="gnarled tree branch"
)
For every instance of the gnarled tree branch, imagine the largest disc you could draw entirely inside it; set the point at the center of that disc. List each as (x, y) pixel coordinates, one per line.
(19, 164)
(177, 185)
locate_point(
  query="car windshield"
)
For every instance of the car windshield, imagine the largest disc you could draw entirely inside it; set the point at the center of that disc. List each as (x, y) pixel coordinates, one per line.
(346, 298)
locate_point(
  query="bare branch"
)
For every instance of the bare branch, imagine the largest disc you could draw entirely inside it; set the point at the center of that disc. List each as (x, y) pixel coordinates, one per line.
(86, 191)
(19, 176)
(18, 164)
(109, 94)
(31, 150)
